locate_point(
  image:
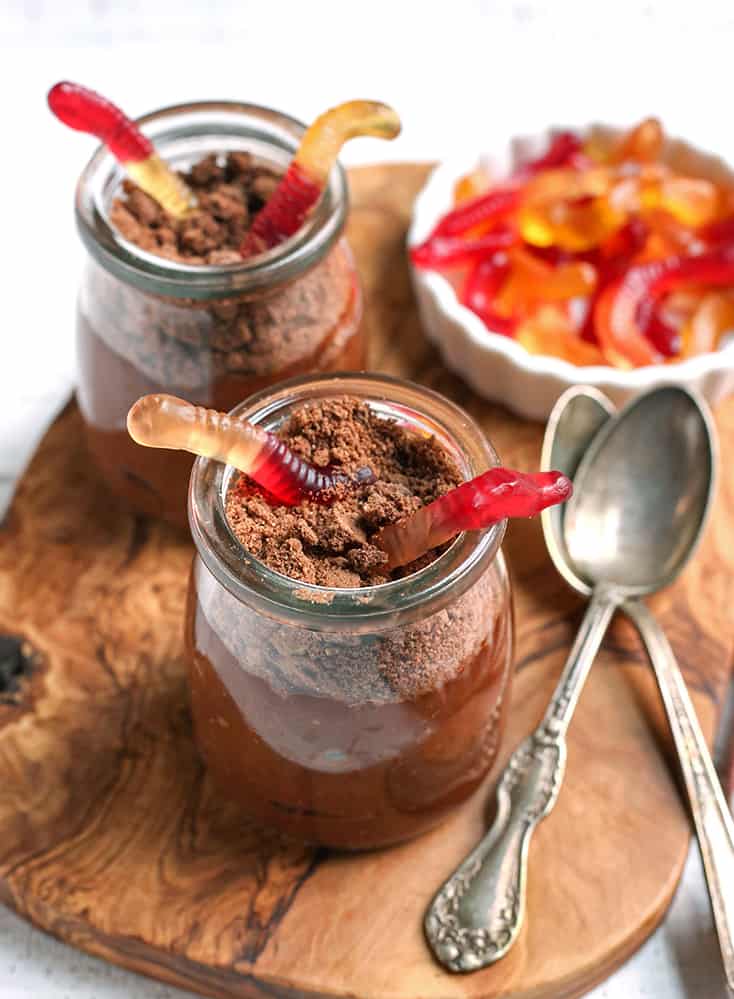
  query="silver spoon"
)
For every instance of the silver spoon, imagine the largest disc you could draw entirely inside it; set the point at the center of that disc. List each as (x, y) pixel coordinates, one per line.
(641, 497)
(577, 416)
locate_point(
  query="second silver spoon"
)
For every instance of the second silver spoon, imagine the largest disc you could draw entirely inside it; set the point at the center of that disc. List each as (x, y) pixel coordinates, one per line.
(576, 418)
(649, 474)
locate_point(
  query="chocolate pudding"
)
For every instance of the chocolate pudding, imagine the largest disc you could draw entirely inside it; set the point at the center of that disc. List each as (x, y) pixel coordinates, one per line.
(212, 348)
(355, 738)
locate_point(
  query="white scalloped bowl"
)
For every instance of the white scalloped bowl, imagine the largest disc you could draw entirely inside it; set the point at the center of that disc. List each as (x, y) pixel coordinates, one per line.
(496, 366)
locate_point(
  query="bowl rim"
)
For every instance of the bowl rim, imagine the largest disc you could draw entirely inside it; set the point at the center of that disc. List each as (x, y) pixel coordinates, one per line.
(424, 218)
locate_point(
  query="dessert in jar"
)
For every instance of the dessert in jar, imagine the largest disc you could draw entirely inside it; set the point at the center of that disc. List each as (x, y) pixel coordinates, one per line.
(340, 702)
(168, 305)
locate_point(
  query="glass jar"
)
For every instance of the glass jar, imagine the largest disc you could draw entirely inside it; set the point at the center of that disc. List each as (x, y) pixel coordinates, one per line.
(211, 334)
(352, 718)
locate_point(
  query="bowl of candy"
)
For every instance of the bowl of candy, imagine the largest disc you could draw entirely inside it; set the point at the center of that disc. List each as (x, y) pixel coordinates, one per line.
(597, 256)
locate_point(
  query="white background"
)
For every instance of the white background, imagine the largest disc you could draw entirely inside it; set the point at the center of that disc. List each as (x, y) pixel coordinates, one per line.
(461, 73)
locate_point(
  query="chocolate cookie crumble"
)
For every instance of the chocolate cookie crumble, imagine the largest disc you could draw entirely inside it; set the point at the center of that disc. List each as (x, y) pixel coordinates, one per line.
(330, 545)
(230, 190)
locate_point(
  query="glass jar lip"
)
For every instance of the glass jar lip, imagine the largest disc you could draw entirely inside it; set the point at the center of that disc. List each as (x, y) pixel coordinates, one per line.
(171, 128)
(320, 607)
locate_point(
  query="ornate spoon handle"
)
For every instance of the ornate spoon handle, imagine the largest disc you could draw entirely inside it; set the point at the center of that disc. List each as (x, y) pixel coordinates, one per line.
(477, 914)
(714, 825)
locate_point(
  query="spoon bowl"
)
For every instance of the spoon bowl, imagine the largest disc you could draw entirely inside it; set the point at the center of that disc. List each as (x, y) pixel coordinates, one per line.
(573, 423)
(642, 493)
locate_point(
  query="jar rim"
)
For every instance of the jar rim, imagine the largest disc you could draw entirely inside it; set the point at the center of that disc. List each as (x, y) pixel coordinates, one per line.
(178, 130)
(330, 608)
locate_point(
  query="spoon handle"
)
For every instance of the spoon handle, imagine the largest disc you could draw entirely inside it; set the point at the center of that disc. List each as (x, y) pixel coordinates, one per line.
(714, 825)
(477, 914)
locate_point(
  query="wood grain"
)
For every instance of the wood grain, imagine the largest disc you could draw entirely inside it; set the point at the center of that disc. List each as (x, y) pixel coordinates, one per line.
(113, 838)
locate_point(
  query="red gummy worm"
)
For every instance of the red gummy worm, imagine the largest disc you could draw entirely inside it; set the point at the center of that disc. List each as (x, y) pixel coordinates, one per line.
(487, 499)
(561, 152)
(284, 213)
(289, 479)
(452, 251)
(718, 232)
(86, 111)
(480, 288)
(494, 204)
(496, 494)
(664, 337)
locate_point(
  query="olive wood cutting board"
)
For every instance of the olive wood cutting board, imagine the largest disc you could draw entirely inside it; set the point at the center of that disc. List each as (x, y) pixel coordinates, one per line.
(113, 838)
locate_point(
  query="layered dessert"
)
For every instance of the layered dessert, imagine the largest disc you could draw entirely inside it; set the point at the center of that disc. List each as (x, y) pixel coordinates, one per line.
(352, 734)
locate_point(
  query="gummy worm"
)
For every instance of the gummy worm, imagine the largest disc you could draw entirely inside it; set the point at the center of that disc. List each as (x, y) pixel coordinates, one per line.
(484, 500)
(307, 174)
(163, 421)
(86, 111)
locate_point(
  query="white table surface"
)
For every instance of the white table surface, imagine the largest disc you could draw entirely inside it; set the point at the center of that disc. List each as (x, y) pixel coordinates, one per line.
(460, 73)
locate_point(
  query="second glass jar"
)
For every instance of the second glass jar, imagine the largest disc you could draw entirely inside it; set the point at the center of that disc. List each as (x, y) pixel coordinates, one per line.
(211, 334)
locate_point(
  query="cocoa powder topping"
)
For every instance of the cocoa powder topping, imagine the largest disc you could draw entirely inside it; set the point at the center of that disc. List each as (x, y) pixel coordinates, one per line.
(229, 191)
(330, 545)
